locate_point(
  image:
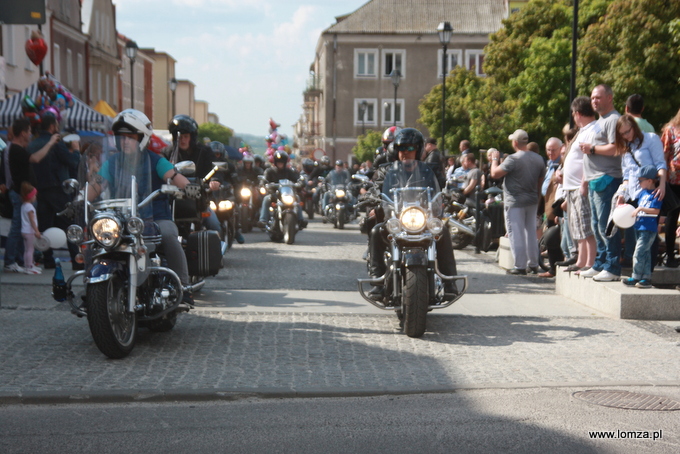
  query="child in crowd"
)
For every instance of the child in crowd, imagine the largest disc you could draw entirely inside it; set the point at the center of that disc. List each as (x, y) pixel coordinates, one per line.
(646, 228)
(29, 226)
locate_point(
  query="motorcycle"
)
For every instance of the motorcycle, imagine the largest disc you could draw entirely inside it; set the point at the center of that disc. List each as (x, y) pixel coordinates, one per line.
(413, 283)
(338, 209)
(462, 220)
(283, 218)
(307, 194)
(249, 205)
(126, 284)
(223, 204)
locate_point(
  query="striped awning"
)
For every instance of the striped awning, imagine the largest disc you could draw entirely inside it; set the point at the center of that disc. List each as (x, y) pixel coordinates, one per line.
(80, 116)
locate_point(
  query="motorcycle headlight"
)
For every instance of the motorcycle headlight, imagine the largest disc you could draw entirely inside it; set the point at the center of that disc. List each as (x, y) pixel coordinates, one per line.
(213, 206)
(226, 205)
(135, 226)
(340, 193)
(263, 190)
(393, 225)
(435, 225)
(246, 193)
(106, 231)
(74, 233)
(288, 199)
(413, 219)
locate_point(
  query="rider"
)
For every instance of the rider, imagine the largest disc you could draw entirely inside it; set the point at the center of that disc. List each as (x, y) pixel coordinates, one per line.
(280, 171)
(322, 170)
(339, 175)
(408, 144)
(226, 179)
(185, 147)
(133, 131)
(382, 152)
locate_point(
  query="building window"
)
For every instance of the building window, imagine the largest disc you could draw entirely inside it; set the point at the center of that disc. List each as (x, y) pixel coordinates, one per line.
(9, 55)
(454, 57)
(27, 35)
(369, 113)
(80, 83)
(393, 59)
(69, 69)
(389, 112)
(475, 60)
(57, 62)
(365, 62)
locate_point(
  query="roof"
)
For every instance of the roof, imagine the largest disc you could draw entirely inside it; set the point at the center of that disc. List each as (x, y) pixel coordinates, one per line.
(423, 17)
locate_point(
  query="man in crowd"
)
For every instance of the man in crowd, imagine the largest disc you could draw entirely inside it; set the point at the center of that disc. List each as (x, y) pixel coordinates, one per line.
(635, 104)
(433, 157)
(524, 172)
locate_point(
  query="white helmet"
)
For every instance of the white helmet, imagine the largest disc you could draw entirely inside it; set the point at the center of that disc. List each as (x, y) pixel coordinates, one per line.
(133, 121)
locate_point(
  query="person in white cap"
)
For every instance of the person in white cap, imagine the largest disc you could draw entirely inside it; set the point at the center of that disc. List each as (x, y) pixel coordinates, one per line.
(524, 172)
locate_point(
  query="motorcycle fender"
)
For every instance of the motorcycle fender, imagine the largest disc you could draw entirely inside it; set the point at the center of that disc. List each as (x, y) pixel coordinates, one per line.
(102, 271)
(415, 257)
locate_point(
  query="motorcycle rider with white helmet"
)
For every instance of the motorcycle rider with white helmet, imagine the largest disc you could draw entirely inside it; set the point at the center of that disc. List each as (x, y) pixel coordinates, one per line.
(133, 131)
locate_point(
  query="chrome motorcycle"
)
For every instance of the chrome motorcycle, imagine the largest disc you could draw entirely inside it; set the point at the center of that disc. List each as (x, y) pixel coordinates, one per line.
(413, 283)
(283, 218)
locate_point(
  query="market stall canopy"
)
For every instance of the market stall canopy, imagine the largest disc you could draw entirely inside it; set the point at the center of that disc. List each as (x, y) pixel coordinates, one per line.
(80, 116)
(103, 107)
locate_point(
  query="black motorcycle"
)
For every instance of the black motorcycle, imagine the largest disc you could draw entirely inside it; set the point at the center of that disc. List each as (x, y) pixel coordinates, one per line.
(413, 283)
(338, 210)
(248, 198)
(283, 218)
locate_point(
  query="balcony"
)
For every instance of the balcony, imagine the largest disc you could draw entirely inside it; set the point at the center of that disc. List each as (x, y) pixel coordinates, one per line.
(314, 87)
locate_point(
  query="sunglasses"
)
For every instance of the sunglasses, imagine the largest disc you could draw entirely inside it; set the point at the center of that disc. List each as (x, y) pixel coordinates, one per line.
(406, 148)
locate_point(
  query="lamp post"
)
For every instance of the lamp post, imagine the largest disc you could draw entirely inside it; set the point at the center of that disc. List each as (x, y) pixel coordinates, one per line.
(445, 31)
(574, 39)
(395, 75)
(362, 114)
(173, 87)
(131, 52)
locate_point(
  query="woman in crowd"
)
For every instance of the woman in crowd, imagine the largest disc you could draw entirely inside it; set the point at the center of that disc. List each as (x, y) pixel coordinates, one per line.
(670, 138)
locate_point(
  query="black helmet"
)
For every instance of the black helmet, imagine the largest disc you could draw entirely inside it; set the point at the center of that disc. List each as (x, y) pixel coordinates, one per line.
(217, 149)
(280, 156)
(407, 138)
(391, 154)
(183, 124)
(339, 163)
(307, 165)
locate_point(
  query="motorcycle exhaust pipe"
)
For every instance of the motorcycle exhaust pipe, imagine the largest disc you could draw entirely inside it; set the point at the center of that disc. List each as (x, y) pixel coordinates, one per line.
(462, 227)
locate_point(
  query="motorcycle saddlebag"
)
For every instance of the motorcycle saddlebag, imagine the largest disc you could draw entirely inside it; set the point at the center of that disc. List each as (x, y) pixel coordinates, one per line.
(204, 253)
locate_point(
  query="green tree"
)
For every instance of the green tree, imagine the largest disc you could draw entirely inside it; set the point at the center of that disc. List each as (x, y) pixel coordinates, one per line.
(364, 150)
(215, 132)
(462, 86)
(634, 49)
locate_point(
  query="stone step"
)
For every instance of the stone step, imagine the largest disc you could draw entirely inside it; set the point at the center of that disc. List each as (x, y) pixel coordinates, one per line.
(620, 301)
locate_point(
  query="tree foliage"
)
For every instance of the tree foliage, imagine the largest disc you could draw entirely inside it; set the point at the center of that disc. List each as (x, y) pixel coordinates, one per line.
(216, 132)
(631, 45)
(364, 150)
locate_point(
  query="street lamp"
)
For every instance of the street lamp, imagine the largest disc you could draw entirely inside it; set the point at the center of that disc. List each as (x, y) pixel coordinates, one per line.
(173, 87)
(395, 75)
(362, 113)
(131, 52)
(445, 31)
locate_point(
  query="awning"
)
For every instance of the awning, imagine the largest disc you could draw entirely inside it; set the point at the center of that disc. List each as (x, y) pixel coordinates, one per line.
(80, 116)
(103, 107)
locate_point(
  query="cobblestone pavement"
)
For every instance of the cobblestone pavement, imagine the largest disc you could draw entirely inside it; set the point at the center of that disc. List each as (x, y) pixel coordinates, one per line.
(50, 351)
(46, 351)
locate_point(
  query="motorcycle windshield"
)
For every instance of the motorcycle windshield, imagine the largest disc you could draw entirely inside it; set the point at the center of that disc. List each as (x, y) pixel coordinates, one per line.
(109, 173)
(336, 178)
(412, 183)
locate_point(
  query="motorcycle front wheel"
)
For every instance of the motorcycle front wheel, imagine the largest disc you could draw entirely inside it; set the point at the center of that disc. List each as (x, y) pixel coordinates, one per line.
(341, 218)
(113, 329)
(416, 300)
(246, 219)
(289, 228)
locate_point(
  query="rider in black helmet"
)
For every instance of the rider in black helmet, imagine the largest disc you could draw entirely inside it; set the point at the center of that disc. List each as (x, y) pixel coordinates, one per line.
(279, 171)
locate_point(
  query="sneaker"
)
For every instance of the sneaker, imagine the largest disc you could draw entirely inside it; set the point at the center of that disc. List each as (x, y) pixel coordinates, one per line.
(517, 272)
(261, 224)
(532, 270)
(629, 281)
(672, 262)
(32, 270)
(239, 238)
(567, 262)
(644, 283)
(589, 273)
(13, 268)
(606, 276)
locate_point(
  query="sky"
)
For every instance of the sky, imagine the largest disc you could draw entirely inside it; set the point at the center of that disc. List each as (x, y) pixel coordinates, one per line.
(249, 59)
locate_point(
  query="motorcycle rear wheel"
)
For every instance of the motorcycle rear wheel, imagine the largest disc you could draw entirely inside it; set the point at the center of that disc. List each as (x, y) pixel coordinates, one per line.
(416, 300)
(113, 329)
(459, 240)
(289, 228)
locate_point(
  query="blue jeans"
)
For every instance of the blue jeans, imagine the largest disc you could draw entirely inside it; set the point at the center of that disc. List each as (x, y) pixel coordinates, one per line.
(608, 249)
(212, 223)
(567, 244)
(14, 249)
(642, 258)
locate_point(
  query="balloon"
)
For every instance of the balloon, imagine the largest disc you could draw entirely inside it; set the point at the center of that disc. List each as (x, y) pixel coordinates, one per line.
(50, 111)
(60, 102)
(273, 125)
(623, 216)
(27, 105)
(36, 49)
(56, 238)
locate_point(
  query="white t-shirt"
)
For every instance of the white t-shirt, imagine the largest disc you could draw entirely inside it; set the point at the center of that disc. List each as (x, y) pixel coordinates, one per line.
(26, 226)
(572, 171)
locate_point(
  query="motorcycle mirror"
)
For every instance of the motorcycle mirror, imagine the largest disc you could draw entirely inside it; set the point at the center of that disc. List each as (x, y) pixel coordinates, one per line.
(221, 164)
(70, 186)
(186, 168)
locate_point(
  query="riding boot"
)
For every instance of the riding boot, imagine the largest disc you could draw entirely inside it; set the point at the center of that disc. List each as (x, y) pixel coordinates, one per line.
(376, 266)
(447, 261)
